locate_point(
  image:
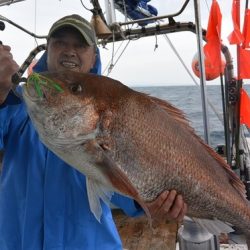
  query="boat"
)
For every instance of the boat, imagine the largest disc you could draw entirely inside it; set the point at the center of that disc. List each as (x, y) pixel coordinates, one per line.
(142, 20)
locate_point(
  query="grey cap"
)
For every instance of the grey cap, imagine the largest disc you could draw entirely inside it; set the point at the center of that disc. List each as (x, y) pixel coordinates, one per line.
(77, 22)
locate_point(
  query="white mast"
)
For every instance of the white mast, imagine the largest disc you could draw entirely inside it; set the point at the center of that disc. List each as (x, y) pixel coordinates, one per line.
(110, 11)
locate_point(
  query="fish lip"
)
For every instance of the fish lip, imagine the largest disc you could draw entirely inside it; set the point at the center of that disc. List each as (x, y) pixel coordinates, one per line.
(28, 95)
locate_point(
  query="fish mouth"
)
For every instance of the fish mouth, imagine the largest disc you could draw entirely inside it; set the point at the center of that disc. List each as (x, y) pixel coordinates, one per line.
(31, 93)
(38, 87)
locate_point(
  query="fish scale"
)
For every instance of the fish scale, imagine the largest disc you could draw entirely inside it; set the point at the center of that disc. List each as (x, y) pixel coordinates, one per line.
(128, 142)
(155, 140)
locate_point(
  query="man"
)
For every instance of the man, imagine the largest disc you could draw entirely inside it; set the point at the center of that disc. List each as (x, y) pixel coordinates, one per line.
(43, 201)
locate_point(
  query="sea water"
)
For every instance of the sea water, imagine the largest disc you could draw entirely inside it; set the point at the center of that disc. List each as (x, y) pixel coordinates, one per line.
(188, 99)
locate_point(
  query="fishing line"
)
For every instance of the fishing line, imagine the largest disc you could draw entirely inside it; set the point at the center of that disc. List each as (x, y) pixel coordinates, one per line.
(207, 5)
(219, 116)
(35, 22)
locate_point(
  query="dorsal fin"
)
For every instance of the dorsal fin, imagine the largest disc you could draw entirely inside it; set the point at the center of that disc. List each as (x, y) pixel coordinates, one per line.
(179, 116)
(233, 177)
(175, 112)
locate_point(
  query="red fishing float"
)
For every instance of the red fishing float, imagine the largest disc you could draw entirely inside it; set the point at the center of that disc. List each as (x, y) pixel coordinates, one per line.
(211, 72)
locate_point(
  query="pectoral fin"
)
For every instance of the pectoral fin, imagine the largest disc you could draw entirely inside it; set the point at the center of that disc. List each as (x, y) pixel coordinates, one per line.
(111, 177)
(96, 192)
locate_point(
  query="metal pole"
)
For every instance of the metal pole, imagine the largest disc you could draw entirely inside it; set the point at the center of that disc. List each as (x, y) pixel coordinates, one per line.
(190, 237)
(113, 11)
(110, 11)
(202, 71)
(239, 86)
(155, 18)
(108, 14)
(2, 18)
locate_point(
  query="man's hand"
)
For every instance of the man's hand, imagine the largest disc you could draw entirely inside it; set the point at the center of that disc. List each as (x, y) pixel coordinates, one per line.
(7, 68)
(168, 206)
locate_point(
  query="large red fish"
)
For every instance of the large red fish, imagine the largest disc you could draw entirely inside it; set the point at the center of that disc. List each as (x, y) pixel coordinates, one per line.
(128, 142)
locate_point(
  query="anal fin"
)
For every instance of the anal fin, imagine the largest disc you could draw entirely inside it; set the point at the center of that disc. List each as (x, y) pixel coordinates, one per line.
(214, 226)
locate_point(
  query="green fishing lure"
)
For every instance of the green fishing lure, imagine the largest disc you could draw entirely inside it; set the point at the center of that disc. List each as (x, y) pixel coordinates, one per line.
(39, 80)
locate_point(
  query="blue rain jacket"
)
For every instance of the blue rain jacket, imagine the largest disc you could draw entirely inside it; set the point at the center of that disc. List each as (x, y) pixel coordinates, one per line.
(43, 201)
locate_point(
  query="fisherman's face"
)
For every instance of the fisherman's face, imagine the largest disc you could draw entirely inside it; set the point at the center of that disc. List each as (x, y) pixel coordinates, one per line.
(68, 50)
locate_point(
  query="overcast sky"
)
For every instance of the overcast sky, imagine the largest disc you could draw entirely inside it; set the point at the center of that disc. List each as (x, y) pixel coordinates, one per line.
(140, 64)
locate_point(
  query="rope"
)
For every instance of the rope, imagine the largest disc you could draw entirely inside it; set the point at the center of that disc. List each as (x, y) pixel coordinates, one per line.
(85, 6)
(121, 53)
(113, 64)
(112, 59)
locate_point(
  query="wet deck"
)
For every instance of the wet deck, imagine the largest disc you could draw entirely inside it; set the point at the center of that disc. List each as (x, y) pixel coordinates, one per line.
(136, 233)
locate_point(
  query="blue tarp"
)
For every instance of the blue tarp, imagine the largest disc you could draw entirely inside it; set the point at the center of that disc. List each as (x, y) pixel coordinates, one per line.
(136, 9)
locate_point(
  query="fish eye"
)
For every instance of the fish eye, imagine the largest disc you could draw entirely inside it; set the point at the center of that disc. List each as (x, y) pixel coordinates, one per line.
(76, 88)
